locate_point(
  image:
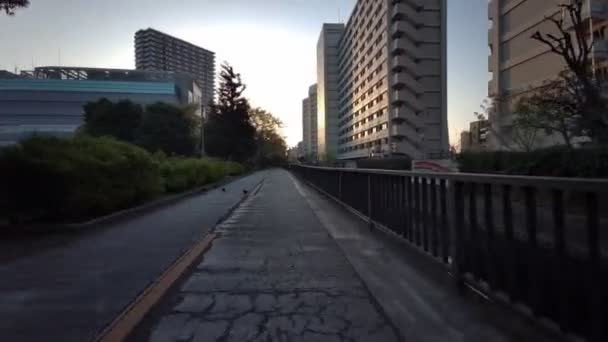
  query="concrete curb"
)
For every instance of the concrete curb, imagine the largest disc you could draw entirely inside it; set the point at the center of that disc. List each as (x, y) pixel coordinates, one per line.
(113, 217)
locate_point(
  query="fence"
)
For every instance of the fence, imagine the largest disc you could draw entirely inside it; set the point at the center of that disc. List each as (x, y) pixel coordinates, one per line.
(534, 242)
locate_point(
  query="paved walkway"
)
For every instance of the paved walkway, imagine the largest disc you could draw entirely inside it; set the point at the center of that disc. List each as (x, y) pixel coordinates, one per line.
(273, 274)
(290, 265)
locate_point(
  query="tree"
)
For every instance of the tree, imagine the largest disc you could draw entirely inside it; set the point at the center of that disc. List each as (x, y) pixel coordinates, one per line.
(575, 103)
(9, 6)
(119, 120)
(229, 132)
(271, 148)
(549, 109)
(169, 129)
(161, 127)
(522, 137)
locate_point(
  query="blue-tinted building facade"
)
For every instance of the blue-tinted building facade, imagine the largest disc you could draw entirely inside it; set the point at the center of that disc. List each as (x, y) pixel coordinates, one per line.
(55, 106)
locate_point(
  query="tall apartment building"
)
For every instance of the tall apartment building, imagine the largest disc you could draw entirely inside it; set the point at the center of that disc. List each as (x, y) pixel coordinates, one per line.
(309, 123)
(155, 50)
(519, 64)
(327, 90)
(391, 80)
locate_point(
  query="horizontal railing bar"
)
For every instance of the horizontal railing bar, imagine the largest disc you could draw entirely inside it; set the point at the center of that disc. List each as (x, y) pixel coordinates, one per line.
(561, 183)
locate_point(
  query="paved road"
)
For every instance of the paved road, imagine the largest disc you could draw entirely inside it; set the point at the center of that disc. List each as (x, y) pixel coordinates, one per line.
(273, 274)
(71, 292)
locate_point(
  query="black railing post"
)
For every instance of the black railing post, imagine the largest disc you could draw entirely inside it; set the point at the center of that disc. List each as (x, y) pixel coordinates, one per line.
(369, 202)
(561, 266)
(340, 186)
(491, 264)
(417, 210)
(425, 215)
(434, 231)
(445, 226)
(532, 254)
(409, 210)
(595, 295)
(509, 252)
(472, 259)
(457, 209)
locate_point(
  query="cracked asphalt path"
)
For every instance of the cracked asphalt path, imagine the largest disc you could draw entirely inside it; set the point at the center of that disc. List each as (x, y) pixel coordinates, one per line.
(71, 291)
(272, 274)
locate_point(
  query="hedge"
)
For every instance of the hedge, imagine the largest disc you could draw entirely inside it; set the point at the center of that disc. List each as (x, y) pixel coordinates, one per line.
(553, 162)
(58, 180)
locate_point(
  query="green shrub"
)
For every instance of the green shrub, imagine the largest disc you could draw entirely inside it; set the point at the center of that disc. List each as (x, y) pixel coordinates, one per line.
(53, 180)
(234, 169)
(554, 162)
(182, 174)
(46, 178)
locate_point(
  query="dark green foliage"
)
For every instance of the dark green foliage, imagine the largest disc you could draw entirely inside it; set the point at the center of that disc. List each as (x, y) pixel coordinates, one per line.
(229, 132)
(62, 180)
(51, 179)
(169, 129)
(182, 174)
(555, 162)
(271, 149)
(161, 127)
(119, 120)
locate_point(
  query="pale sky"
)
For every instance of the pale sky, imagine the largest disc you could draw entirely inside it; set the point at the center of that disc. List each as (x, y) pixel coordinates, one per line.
(272, 43)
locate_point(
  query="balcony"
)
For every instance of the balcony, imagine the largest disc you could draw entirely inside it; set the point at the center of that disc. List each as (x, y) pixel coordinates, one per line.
(402, 11)
(403, 62)
(408, 99)
(600, 49)
(407, 115)
(405, 80)
(402, 27)
(404, 130)
(408, 147)
(404, 46)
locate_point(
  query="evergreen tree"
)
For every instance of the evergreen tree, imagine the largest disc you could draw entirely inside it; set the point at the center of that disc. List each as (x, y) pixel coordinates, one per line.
(229, 132)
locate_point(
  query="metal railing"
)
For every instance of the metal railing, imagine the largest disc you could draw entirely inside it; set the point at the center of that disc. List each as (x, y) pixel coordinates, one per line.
(538, 243)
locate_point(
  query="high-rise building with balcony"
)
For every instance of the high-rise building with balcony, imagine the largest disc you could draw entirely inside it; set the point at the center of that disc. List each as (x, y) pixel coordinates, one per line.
(155, 50)
(391, 81)
(309, 123)
(327, 90)
(519, 64)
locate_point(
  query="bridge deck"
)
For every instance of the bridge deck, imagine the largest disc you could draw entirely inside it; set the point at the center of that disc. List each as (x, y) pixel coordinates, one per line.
(290, 265)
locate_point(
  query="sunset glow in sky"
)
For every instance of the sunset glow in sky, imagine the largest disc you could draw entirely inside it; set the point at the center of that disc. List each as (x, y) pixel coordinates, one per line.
(272, 43)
